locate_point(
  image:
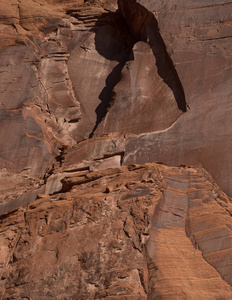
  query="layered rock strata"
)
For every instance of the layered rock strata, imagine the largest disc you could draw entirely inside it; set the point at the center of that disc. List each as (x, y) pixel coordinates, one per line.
(198, 38)
(86, 89)
(142, 232)
(148, 59)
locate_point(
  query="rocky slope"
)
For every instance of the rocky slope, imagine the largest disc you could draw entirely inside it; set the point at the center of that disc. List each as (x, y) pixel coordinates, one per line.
(86, 89)
(142, 232)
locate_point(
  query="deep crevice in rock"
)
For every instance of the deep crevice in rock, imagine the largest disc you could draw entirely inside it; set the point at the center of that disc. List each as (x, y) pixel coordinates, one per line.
(59, 158)
(106, 95)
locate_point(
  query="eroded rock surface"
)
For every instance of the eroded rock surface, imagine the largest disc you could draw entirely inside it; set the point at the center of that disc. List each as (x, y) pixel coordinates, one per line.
(73, 70)
(86, 89)
(198, 38)
(142, 232)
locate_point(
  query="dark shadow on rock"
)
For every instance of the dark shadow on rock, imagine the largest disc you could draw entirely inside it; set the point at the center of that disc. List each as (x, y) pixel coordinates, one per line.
(166, 68)
(107, 95)
(143, 26)
(114, 40)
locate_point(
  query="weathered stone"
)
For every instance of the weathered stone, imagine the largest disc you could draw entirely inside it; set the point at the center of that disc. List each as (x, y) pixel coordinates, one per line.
(140, 92)
(198, 40)
(43, 78)
(86, 88)
(129, 242)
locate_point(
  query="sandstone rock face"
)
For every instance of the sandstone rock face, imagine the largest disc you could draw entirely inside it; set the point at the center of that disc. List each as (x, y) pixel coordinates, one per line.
(140, 92)
(197, 36)
(145, 65)
(142, 232)
(89, 90)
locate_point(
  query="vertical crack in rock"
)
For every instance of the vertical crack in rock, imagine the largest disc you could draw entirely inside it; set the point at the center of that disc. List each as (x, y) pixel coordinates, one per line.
(107, 94)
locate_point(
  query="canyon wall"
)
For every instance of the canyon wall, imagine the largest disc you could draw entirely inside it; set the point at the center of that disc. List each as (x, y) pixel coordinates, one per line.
(90, 90)
(137, 232)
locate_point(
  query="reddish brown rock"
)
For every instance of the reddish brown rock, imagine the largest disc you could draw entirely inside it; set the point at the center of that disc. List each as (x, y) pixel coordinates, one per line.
(85, 89)
(140, 92)
(57, 45)
(133, 232)
(197, 37)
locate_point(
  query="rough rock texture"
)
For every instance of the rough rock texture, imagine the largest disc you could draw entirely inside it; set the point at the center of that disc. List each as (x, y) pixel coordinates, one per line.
(81, 69)
(86, 89)
(72, 70)
(142, 232)
(198, 37)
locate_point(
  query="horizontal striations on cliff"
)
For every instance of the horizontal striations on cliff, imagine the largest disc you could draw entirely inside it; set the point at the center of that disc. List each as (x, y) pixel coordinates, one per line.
(92, 94)
(142, 232)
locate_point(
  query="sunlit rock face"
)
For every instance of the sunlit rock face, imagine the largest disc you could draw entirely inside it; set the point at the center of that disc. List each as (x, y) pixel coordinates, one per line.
(80, 73)
(83, 70)
(139, 232)
(197, 37)
(90, 90)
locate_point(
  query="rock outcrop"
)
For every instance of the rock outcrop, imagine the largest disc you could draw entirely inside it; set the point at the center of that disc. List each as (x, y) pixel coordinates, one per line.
(92, 93)
(198, 38)
(78, 70)
(142, 232)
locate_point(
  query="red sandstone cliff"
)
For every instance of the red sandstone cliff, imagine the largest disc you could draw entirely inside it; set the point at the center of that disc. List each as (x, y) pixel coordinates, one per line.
(88, 89)
(142, 232)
